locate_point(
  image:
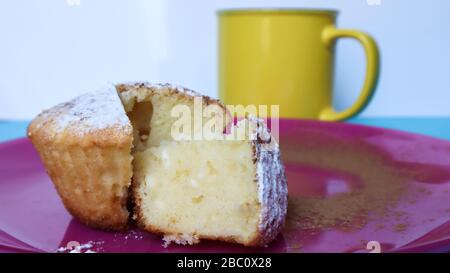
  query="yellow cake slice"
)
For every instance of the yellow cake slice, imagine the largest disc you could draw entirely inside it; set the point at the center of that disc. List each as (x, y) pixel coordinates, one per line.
(85, 145)
(229, 190)
(112, 155)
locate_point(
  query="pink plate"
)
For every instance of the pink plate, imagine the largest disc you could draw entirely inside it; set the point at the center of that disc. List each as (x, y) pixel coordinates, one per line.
(351, 189)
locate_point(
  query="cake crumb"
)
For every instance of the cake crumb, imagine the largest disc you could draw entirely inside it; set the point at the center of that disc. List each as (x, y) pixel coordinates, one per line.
(77, 248)
(180, 239)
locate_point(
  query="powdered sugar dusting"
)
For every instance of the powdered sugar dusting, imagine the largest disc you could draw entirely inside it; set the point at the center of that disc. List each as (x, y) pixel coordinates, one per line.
(159, 86)
(133, 235)
(91, 111)
(272, 183)
(75, 247)
(255, 129)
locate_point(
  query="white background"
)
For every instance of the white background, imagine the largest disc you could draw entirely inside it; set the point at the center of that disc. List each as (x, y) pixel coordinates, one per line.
(51, 51)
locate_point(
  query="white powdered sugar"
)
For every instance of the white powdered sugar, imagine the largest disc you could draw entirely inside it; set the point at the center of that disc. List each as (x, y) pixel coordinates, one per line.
(75, 247)
(91, 111)
(272, 183)
(256, 129)
(99, 110)
(158, 86)
(132, 235)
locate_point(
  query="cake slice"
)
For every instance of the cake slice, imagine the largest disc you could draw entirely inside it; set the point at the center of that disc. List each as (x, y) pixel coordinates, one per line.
(85, 145)
(112, 154)
(229, 190)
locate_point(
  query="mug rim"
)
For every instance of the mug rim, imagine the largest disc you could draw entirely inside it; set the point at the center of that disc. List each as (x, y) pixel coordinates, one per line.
(242, 11)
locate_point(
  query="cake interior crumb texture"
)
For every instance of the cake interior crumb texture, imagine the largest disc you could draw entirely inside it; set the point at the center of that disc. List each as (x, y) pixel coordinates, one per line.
(199, 187)
(189, 189)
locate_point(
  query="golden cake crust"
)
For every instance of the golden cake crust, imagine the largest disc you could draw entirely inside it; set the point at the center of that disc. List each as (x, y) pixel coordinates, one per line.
(169, 90)
(85, 145)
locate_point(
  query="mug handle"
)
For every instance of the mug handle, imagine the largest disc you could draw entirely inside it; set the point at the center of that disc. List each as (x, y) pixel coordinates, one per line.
(329, 35)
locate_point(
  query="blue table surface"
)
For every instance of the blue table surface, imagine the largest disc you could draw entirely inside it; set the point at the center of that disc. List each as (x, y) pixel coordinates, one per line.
(438, 127)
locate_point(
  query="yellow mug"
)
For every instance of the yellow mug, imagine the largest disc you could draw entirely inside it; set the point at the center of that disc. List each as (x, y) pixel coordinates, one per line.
(285, 57)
